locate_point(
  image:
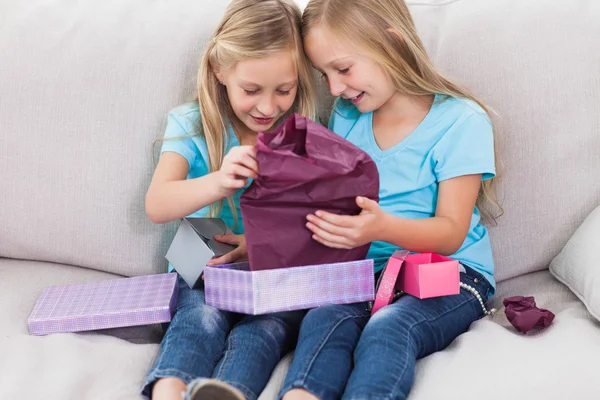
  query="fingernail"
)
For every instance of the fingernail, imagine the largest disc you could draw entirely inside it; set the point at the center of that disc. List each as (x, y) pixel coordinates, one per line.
(318, 213)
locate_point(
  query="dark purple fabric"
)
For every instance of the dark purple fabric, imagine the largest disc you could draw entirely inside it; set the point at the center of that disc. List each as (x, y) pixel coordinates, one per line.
(524, 315)
(304, 167)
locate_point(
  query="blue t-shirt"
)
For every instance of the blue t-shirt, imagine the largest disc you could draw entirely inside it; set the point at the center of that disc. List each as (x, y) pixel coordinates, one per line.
(182, 137)
(454, 139)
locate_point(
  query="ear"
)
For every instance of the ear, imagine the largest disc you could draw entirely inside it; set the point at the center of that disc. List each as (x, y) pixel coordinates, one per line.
(218, 74)
(394, 32)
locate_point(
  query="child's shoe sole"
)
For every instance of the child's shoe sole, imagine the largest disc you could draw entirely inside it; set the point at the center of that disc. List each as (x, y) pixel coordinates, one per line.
(213, 389)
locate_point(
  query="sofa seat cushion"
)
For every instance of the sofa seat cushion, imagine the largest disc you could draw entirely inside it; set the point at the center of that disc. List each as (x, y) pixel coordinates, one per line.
(109, 364)
(494, 362)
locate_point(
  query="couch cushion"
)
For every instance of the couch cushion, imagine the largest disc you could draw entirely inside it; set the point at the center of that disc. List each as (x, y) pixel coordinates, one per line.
(497, 363)
(578, 264)
(109, 364)
(113, 363)
(494, 362)
(86, 88)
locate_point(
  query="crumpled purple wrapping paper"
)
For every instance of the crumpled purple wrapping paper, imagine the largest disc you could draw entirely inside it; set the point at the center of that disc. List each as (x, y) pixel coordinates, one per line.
(304, 167)
(524, 315)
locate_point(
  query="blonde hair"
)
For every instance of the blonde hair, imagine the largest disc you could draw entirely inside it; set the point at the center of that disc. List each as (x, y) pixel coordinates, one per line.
(250, 29)
(388, 36)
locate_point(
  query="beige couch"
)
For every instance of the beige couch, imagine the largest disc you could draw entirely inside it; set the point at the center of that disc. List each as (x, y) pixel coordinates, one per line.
(84, 90)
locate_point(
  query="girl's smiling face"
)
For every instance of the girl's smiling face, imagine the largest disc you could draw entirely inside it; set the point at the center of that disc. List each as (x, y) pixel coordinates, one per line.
(348, 73)
(261, 91)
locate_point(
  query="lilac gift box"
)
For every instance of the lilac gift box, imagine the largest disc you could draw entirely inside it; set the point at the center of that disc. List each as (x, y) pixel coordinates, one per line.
(234, 287)
(426, 275)
(141, 300)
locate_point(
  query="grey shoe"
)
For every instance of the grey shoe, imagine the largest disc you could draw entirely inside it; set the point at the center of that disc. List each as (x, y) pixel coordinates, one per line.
(212, 389)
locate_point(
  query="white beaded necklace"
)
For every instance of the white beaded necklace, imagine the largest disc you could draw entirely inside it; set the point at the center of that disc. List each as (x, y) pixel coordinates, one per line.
(468, 288)
(478, 296)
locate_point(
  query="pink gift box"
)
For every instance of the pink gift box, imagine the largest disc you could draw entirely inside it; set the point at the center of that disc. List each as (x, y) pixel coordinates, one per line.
(425, 275)
(234, 287)
(142, 300)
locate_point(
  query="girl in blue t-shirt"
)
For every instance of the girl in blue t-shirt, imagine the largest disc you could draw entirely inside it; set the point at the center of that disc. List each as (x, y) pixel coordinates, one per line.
(433, 144)
(253, 73)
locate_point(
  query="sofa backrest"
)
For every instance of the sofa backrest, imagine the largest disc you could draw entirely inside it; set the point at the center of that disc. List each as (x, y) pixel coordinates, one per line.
(85, 88)
(534, 63)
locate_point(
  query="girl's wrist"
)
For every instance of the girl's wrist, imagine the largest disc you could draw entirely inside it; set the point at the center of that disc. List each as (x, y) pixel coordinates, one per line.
(210, 189)
(215, 183)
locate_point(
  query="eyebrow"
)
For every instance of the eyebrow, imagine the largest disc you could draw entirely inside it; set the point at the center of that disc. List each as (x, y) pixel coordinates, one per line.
(247, 83)
(337, 60)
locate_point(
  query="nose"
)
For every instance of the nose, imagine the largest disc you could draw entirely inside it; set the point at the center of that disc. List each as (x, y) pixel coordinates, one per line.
(336, 87)
(267, 106)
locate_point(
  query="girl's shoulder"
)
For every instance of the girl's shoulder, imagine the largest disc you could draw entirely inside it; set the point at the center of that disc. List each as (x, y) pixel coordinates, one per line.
(187, 109)
(183, 136)
(188, 117)
(461, 108)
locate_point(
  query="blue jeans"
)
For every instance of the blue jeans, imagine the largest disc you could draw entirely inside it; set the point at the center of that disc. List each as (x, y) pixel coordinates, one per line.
(203, 342)
(334, 360)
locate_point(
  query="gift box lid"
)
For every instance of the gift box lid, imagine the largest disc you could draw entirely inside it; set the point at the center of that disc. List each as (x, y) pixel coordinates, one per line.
(113, 303)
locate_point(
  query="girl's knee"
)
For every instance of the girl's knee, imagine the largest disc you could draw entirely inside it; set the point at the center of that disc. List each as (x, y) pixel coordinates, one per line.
(266, 327)
(328, 313)
(201, 317)
(335, 315)
(396, 317)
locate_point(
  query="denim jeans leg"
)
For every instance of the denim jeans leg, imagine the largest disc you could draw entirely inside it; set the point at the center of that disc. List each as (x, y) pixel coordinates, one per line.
(323, 357)
(254, 347)
(409, 329)
(194, 340)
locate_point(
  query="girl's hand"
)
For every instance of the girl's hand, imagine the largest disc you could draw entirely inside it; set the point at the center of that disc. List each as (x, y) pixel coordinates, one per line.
(238, 166)
(237, 255)
(345, 231)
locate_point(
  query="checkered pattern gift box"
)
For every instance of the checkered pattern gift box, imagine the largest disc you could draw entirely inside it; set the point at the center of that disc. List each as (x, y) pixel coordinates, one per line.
(304, 167)
(234, 287)
(141, 300)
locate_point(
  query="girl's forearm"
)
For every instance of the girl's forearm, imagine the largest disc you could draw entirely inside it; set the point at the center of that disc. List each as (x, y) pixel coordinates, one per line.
(429, 235)
(170, 201)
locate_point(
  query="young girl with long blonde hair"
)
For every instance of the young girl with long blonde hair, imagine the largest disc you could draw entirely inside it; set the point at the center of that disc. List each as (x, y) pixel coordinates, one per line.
(434, 147)
(253, 73)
